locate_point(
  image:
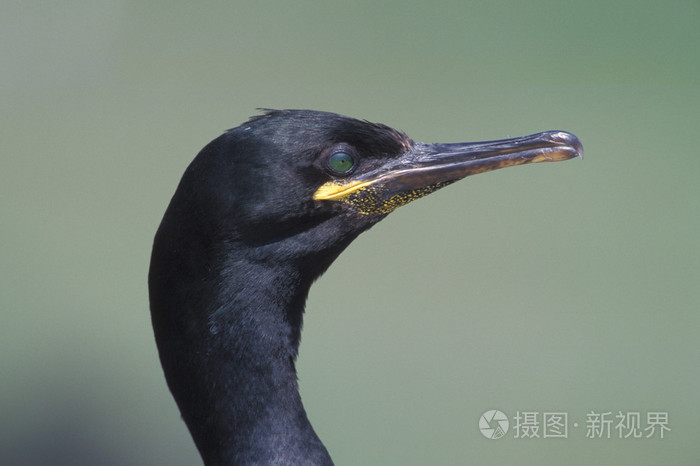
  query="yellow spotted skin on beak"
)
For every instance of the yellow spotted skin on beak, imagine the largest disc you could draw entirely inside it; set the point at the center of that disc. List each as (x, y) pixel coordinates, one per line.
(369, 199)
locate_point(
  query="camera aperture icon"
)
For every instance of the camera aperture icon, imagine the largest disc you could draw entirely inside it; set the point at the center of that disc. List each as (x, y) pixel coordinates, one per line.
(493, 424)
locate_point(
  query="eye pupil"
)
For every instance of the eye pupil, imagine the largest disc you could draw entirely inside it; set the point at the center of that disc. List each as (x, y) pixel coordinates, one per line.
(341, 162)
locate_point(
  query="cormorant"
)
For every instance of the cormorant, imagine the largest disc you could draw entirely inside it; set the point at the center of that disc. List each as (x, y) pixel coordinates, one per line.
(259, 214)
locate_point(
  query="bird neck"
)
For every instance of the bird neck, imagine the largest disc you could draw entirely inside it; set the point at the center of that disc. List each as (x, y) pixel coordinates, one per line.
(228, 349)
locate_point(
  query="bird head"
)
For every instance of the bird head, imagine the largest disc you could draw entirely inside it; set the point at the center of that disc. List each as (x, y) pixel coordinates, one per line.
(314, 180)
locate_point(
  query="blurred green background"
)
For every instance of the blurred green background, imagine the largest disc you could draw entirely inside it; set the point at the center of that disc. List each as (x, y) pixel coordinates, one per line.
(567, 287)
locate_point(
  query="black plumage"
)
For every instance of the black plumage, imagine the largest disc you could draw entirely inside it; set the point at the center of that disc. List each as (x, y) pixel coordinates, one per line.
(259, 214)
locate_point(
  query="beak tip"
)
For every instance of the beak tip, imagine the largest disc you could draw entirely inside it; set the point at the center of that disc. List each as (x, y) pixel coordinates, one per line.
(568, 139)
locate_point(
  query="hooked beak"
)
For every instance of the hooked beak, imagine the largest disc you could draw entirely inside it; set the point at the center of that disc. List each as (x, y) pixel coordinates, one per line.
(428, 167)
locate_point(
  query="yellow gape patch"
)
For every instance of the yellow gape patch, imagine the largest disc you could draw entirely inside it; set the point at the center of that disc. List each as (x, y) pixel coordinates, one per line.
(332, 191)
(371, 198)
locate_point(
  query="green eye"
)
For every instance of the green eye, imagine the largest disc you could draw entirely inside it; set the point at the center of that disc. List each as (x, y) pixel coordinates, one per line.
(341, 163)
